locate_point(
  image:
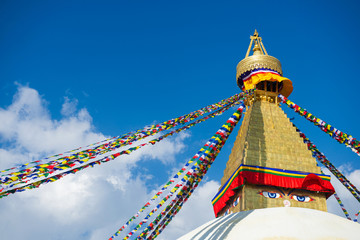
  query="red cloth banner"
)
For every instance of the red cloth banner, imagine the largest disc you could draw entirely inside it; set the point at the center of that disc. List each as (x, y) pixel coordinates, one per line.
(271, 177)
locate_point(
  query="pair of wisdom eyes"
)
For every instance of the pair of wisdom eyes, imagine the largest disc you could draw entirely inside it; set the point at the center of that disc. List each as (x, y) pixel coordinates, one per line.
(292, 196)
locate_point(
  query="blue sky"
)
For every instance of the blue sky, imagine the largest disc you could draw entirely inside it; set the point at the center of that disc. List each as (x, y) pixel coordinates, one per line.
(77, 71)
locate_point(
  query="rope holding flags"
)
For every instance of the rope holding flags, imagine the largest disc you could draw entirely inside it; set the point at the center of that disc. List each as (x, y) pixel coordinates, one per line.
(38, 162)
(321, 158)
(45, 173)
(174, 211)
(336, 134)
(114, 142)
(124, 140)
(205, 156)
(356, 216)
(181, 198)
(171, 181)
(342, 206)
(183, 195)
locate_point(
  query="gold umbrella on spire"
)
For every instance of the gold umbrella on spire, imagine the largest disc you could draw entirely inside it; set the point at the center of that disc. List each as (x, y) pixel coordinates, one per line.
(259, 69)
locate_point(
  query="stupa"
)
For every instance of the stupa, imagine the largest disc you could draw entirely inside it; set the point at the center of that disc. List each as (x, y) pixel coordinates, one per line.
(270, 165)
(272, 187)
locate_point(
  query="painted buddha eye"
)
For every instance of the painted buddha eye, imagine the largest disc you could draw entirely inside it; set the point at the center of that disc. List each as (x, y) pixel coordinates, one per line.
(270, 194)
(302, 198)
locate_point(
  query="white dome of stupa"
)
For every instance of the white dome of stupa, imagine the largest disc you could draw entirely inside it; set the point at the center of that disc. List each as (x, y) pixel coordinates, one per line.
(277, 223)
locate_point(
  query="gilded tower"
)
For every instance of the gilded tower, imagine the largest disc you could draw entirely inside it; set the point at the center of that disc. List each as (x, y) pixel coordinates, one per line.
(269, 165)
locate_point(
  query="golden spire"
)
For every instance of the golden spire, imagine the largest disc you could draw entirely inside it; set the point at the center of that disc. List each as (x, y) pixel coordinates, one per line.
(260, 61)
(266, 140)
(259, 48)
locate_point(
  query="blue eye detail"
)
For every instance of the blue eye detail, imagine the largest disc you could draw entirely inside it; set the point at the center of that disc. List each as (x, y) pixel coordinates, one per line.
(302, 198)
(270, 194)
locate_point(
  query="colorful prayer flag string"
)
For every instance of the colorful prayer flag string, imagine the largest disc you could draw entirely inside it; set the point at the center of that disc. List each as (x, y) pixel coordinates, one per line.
(124, 140)
(210, 147)
(321, 158)
(65, 165)
(37, 162)
(336, 134)
(175, 209)
(185, 182)
(75, 166)
(356, 216)
(53, 168)
(169, 214)
(342, 206)
(171, 181)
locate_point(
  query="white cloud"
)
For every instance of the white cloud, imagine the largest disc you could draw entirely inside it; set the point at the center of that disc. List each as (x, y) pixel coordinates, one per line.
(69, 106)
(165, 151)
(91, 204)
(27, 128)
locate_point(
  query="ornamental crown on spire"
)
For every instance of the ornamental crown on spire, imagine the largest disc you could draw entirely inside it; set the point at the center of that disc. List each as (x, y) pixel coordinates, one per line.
(261, 67)
(259, 48)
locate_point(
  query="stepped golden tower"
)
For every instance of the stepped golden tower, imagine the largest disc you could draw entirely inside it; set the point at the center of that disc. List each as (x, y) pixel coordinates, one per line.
(269, 165)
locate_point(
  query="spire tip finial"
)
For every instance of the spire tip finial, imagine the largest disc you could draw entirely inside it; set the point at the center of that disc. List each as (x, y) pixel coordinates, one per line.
(259, 48)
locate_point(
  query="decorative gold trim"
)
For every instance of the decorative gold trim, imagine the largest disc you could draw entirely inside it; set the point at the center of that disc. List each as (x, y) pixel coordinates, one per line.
(258, 61)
